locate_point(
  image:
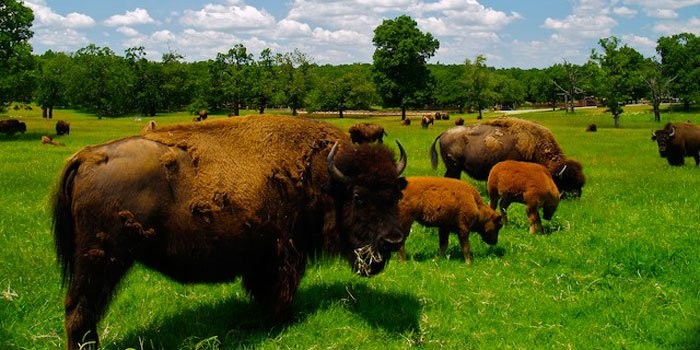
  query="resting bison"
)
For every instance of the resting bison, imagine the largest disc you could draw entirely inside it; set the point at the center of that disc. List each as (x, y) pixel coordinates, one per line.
(592, 128)
(214, 201)
(677, 141)
(523, 182)
(427, 120)
(475, 149)
(201, 115)
(366, 132)
(62, 128)
(10, 127)
(459, 121)
(451, 205)
(406, 122)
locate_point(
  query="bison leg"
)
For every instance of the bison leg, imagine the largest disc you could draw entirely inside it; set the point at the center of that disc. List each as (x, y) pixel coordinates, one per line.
(505, 203)
(454, 173)
(463, 235)
(696, 156)
(95, 276)
(444, 235)
(273, 284)
(534, 217)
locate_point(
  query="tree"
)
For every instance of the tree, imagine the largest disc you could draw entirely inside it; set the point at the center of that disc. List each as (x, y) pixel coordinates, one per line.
(263, 81)
(294, 78)
(51, 81)
(177, 87)
(146, 88)
(234, 68)
(658, 85)
(400, 71)
(621, 66)
(340, 88)
(16, 60)
(450, 86)
(479, 82)
(566, 79)
(680, 58)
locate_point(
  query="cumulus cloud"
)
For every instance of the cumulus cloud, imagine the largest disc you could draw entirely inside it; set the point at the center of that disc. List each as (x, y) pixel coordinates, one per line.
(624, 11)
(44, 16)
(130, 18)
(231, 16)
(128, 31)
(692, 25)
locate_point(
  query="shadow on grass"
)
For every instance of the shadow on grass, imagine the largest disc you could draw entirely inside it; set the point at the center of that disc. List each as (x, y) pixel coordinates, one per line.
(240, 323)
(454, 253)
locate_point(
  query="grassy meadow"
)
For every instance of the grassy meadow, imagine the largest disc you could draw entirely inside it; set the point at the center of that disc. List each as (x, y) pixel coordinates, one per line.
(618, 268)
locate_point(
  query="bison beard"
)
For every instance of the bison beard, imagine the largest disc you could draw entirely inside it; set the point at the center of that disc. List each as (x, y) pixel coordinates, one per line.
(251, 197)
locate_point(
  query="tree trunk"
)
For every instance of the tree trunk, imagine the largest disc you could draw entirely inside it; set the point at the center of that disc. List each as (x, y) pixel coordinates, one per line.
(403, 112)
(616, 118)
(340, 113)
(44, 112)
(657, 112)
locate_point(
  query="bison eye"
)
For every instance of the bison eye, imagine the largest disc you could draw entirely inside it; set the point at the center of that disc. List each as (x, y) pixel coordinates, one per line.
(357, 200)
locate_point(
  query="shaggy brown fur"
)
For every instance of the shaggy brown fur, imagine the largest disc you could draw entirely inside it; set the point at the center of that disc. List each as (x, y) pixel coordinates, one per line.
(366, 132)
(677, 141)
(452, 206)
(459, 121)
(475, 149)
(592, 128)
(62, 128)
(149, 127)
(406, 122)
(11, 126)
(523, 182)
(253, 197)
(47, 140)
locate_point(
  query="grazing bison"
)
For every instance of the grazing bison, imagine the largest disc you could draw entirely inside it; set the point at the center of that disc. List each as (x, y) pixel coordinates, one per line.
(592, 128)
(427, 120)
(451, 205)
(214, 201)
(677, 141)
(406, 122)
(10, 127)
(366, 132)
(62, 128)
(475, 149)
(459, 121)
(201, 115)
(523, 182)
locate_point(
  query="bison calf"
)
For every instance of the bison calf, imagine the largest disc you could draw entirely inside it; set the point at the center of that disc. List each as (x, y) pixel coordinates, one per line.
(527, 183)
(450, 205)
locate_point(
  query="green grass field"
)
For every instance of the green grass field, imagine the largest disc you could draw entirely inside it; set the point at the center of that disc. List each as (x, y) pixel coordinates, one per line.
(618, 269)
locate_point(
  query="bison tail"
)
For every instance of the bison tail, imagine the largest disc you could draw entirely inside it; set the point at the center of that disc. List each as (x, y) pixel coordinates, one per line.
(63, 229)
(433, 153)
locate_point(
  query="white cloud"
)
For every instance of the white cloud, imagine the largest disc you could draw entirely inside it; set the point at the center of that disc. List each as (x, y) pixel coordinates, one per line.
(44, 16)
(128, 31)
(624, 11)
(213, 16)
(662, 13)
(137, 16)
(692, 25)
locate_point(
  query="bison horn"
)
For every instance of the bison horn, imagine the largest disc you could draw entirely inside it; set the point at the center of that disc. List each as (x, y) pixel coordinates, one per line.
(333, 170)
(401, 164)
(673, 132)
(563, 169)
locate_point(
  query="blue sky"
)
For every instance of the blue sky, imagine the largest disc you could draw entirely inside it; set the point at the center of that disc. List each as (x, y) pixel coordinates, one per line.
(510, 33)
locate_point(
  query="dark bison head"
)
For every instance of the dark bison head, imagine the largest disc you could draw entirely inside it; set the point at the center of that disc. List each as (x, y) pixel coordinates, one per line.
(663, 139)
(569, 179)
(367, 189)
(490, 228)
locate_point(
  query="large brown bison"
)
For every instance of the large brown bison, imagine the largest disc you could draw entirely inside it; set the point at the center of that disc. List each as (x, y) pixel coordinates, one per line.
(450, 205)
(475, 149)
(677, 141)
(367, 132)
(62, 128)
(10, 127)
(209, 202)
(511, 181)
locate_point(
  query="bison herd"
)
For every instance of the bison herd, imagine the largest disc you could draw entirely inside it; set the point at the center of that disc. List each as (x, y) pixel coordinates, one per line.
(245, 198)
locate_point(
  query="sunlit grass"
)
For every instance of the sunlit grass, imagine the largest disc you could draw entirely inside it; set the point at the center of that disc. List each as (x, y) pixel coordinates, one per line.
(617, 268)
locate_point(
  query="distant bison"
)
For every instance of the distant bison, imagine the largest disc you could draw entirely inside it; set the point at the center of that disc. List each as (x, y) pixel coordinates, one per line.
(592, 128)
(459, 121)
(62, 128)
(450, 205)
(10, 127)
(210, 202)
(366, 132)
(677, 141)
(202, 115)
(149, 127)
(475, 149)
(406, 122)
(523, 182)
(427, 120)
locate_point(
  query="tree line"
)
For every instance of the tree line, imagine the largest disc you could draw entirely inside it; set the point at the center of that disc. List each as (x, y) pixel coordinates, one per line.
(100, 81)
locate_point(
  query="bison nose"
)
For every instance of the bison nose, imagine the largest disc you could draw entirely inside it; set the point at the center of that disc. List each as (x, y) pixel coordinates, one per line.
(393, 240)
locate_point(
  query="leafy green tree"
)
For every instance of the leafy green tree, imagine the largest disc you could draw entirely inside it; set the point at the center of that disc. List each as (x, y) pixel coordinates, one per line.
(146, 88)
(16, 60)
(178, 84)
(52, 75)
(450, 87)
(341, 88)
(680, 61)
(263, 81)
(479, 81)
(233, 68)
(97, 82)
(294, 79)
(510, 92)
(621, 66)
(657, 84)
(400, 60)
